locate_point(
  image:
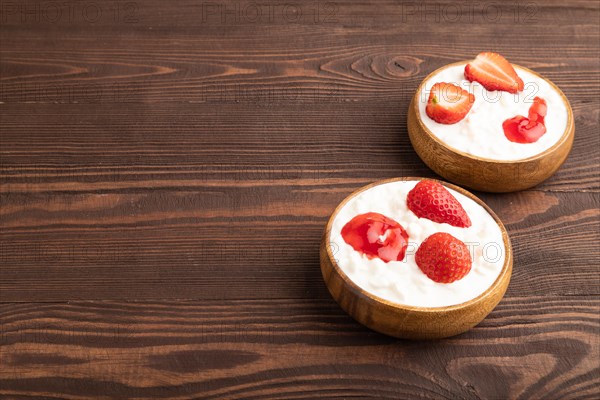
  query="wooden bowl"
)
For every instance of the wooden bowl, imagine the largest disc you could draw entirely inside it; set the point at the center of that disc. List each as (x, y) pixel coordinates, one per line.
(410, 322)
(483, 173)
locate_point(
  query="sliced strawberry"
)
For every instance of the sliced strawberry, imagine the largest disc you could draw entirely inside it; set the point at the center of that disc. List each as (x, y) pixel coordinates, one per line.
(448, 103)
(443, 258)
(520, 129)
(494, 72)
(538, 110)
(376, 235)
(430, 199)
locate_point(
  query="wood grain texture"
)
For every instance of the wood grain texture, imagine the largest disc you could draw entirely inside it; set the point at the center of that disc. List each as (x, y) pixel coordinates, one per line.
(188, 244)
(155, 151)
(529, 347)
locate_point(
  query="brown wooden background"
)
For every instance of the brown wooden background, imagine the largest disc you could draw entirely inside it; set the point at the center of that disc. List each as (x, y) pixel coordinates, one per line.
(167, 169)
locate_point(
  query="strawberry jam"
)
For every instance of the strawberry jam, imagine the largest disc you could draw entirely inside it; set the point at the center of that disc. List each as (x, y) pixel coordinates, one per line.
(376, 235)
(529, 129)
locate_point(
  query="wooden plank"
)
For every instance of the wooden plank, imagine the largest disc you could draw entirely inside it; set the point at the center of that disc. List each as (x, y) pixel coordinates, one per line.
(529, 347)
(189, 244)
(267, 85)
(67, 148)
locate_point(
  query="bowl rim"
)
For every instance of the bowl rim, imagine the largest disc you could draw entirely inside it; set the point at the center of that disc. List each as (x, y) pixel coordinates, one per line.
(561, 141)
(506, 267)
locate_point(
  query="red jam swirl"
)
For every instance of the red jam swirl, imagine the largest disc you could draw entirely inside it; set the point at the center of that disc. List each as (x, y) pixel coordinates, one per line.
(529, 129)
(376, 235)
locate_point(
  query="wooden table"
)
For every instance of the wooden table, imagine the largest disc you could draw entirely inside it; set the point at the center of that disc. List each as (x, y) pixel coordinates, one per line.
(167, 169)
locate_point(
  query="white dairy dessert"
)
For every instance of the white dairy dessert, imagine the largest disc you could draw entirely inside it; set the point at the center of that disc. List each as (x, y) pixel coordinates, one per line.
(480, 133)
(402, 281)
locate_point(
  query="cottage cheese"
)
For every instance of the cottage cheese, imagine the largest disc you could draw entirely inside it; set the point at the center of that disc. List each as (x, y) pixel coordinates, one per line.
(402, 281)
(480, 132)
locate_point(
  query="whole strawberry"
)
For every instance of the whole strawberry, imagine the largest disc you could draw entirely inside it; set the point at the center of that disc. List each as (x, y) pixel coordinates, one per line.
(430, 199)
(443, 258)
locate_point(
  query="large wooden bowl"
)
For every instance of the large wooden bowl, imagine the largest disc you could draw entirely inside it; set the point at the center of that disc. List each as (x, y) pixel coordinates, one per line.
(404, 321)
(482, 173)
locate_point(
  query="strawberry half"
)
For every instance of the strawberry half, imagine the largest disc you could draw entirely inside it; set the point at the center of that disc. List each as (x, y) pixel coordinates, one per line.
(430, 199)
(443, 258)
(494, 72)
(448, 103)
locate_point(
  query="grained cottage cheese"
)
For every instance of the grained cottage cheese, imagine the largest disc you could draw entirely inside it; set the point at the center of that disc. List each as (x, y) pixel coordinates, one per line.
(480, 133)
(402, 281)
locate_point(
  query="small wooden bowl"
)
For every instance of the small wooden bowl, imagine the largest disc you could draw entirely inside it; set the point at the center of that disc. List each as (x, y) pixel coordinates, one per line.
(409, 322)
(483, 173)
